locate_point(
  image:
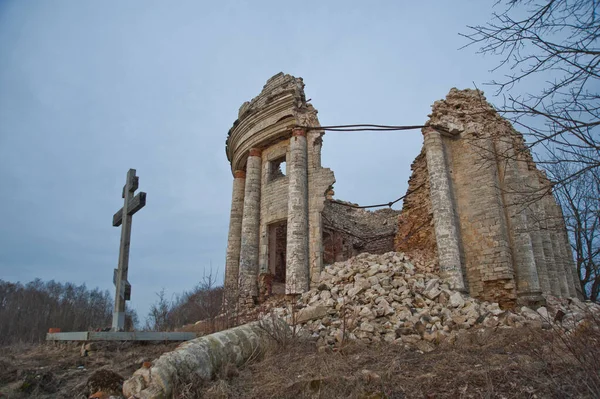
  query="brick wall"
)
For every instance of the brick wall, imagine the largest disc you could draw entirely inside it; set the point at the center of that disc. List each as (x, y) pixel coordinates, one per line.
(349, 231)
(415, 224)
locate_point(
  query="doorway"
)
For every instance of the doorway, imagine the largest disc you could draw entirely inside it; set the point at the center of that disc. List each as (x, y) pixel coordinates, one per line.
(277, 254)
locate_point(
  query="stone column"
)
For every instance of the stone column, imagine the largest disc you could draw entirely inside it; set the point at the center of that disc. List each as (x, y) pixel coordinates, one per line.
(566, 256)
(569, 262)
(557, 247)
(232, 260)
(533, 215)
(248, 280)
(549, 252)
(297, 275)
(514, 195)
(446, 230)
(576, 288)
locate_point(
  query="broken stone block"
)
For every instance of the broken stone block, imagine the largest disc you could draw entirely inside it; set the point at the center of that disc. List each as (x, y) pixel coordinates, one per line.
(456, 300)
(311, 313)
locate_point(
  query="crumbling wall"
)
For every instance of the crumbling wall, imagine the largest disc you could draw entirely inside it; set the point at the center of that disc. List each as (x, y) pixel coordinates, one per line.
(349, 231)
(416, 235)
(497, 213)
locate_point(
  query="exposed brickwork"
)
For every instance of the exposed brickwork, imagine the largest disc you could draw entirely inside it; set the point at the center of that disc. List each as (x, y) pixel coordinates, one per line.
(510, 235)
(349, 231)
(416, 234)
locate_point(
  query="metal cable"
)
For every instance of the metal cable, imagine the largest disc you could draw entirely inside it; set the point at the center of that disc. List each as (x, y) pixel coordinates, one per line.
(379, 205)
(362, 127)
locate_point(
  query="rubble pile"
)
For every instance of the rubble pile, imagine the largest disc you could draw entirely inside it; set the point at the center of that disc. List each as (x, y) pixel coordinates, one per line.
(374, 298)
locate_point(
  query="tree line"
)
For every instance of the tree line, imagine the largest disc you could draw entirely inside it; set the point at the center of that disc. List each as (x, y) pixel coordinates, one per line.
(27, 311)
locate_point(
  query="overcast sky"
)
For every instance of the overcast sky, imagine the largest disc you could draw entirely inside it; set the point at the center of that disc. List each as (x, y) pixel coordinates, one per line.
(89, 89)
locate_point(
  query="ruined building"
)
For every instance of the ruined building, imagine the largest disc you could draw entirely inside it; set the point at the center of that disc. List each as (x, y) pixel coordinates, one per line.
(477, 209)
(482, 211)
(279, 215)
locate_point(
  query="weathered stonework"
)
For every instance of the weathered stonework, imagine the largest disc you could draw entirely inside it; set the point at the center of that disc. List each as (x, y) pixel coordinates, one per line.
(495, 220)
(349, 231)
(298, 279)
(478, 209)
(248, 273)
(232, 262)
(285, 189)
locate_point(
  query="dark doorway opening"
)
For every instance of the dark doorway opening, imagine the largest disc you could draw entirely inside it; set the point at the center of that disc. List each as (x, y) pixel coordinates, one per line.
(277, 254)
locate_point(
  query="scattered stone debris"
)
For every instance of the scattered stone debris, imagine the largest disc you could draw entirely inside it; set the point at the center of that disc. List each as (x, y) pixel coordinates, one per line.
(375, 298)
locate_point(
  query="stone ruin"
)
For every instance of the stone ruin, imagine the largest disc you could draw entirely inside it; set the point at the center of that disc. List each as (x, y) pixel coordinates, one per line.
(479, 231)
(478, 212)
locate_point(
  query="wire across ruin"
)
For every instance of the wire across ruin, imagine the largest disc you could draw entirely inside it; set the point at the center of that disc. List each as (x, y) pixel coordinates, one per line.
(362, 128)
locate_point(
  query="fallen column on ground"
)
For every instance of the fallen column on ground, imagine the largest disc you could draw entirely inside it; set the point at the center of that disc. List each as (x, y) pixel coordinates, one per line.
(203, 356)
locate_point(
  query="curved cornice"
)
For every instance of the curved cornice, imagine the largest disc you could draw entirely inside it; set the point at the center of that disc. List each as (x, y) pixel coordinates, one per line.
(267, 120)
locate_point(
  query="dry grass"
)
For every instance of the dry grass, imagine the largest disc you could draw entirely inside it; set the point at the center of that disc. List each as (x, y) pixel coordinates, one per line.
(563, 362)
(505, 363)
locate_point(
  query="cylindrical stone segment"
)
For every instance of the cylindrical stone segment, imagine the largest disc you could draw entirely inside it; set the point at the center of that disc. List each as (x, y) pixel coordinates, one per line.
(446, 231)
(297, 273)
(248, 269)
(234, 239)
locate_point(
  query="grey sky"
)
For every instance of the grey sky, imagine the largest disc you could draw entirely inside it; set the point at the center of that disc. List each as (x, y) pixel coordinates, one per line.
(89, 89)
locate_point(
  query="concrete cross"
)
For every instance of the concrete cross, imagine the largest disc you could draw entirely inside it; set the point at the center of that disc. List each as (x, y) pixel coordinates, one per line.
(123, 288)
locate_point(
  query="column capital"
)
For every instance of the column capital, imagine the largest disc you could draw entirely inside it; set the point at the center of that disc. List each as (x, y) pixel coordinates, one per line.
(298, 131)
(239, 174)
(255, 152)
(429, 130)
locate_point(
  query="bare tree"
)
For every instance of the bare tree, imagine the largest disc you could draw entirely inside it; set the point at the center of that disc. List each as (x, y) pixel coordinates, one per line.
(557, 41)
(580, 201)
(158, 316)
(203, 302)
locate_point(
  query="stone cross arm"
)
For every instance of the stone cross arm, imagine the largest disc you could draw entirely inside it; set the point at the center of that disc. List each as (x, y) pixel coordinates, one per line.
(137, 203)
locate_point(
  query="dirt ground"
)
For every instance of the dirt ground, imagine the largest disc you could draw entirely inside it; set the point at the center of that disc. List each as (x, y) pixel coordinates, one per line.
(57, 370)
(488, 363)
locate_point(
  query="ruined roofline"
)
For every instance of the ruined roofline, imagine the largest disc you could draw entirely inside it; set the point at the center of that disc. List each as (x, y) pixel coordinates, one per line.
(463, 109)
(268, 117)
